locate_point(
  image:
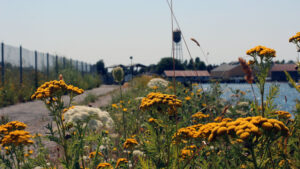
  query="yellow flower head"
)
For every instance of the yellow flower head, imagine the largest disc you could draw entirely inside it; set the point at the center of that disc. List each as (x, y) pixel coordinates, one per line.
(200, 115)
(166, 101)
(52, 88)
(151, 120)
(154, 87)
(295, 39)
(187, 98)
(104, 165)
(93, 154)
(261, 51)
(16, 138)
(241, 127)
(120, 161)
(130, 143)
(114, 106)
(283, 114)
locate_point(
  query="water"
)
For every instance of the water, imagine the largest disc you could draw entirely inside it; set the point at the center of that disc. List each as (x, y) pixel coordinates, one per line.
(285, 100)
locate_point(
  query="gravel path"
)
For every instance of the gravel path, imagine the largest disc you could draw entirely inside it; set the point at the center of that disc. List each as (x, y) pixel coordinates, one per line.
(35, 114)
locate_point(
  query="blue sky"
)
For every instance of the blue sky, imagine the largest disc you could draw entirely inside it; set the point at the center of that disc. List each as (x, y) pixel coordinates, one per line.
(114, 30)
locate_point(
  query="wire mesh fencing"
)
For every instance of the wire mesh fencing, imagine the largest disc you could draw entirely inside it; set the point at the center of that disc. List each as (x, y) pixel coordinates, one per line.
(34, 66)
(23, 70)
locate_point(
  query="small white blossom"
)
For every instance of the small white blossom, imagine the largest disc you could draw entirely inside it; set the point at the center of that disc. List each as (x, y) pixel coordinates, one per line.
(137, 153)
(99, 119)
(159, 82)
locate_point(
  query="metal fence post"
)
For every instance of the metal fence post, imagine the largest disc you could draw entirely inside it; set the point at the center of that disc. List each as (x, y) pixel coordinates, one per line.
(47, 66)
(36, 70)
(21, 71)
(86, 67)
(56, 64)
(82, 68)
(64, 62)
(2, 63)
(76, 65)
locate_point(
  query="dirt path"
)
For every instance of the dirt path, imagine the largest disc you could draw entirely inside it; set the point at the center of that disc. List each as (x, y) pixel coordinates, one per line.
(35, 114)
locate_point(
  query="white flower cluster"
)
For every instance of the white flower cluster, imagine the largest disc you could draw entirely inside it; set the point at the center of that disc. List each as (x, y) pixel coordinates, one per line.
(98, 119)
(159, 82)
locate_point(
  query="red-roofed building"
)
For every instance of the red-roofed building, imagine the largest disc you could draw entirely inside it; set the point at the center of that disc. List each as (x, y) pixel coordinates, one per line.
(277, 72)
(188, 75)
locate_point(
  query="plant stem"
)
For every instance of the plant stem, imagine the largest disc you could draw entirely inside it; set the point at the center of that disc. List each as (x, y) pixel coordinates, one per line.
(270, 155)
(253, 157)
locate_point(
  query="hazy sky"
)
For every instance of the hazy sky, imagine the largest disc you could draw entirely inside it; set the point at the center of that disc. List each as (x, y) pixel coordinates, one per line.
(114, 30)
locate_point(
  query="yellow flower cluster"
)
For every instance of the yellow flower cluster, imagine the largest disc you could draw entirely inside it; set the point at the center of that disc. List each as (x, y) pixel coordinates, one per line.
(121, 160)
(187, 98)
(69, 108)
(93, 154)
(48, 89)
(129, 143)
(261, 51)
(13, 125)
(186, 133)
(159, 99)
(242, 127)
(295, 38)
(114, 106)
(13, 133)
(200, 115)
(104, 165)
(188, 151)
(151, 120)
(220, 119)
(17, 137)
(284, 114)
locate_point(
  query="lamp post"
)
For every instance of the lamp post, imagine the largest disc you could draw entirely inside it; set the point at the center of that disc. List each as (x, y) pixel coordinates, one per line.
(131, 67)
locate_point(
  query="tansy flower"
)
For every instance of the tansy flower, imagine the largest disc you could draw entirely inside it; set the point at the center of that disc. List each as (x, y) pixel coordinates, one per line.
(151, 120)
(154, 87)
(114, 106)
(49, 89)
(161, 100)
(93, 154)
(283, 114)
(104, 165)
(17, 137)
(120, 161)
(187, 98)
(130, 143)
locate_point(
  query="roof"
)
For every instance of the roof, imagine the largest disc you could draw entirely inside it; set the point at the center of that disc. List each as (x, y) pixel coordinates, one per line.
(224, 67)
(186, 73)
(283, 67)
(134, 65)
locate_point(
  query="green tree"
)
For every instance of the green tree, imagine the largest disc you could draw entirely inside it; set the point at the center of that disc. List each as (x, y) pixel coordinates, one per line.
(167, 64)
(100, 67)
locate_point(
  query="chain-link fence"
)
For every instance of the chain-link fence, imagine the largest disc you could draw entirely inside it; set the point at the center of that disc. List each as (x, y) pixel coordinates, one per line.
(23, 64)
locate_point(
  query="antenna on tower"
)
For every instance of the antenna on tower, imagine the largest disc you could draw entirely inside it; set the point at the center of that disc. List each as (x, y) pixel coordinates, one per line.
(177, 45)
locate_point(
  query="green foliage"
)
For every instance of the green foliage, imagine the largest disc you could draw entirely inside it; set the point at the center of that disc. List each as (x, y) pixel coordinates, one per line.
(100, 67)
(13, 92)
(167, 64)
